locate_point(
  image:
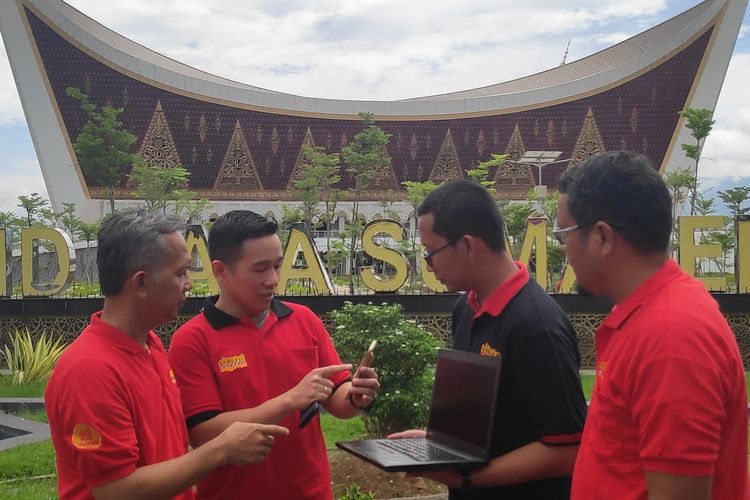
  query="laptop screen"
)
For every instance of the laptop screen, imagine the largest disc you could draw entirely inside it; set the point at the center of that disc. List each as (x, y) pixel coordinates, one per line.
(463, 399)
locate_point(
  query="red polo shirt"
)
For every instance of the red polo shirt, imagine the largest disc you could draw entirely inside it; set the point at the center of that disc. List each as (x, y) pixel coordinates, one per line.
(669, 397)
(112, 407)
(223, 363)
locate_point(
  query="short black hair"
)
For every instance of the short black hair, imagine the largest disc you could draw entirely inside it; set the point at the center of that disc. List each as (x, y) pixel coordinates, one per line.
(129, 241)
(229, 232)
(464, 207)
(625, 190)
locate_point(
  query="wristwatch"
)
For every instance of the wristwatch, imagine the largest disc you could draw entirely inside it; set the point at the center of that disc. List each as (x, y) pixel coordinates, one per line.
(466, 485)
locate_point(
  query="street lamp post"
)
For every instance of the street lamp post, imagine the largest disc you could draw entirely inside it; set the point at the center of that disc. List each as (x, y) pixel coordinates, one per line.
(541, 159)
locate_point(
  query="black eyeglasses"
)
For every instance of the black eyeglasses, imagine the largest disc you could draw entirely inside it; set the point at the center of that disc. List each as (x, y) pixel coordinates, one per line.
(428, 256)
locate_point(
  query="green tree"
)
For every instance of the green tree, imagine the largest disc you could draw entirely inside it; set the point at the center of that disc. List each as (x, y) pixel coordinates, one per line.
(12, 223)
(87, 231)
(516, 214)
(187, 207)
(68, 218)
(38, 210)
(480, 174)
(157, 186)
(103, 146)
(321, 172)
(735, 198)
(364, 156)
(416, 192)
(680, 183)
(700, 122)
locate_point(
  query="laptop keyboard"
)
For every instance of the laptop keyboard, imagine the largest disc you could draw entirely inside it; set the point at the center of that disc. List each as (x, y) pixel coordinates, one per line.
(419, 450)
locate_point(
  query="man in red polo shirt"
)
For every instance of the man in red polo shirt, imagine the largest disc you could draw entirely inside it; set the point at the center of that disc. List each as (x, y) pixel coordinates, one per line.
(113, 405)
(249, 357)
(668, 417)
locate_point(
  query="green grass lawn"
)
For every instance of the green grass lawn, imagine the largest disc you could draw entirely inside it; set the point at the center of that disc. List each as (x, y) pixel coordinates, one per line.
(8, 390)
(341, 430)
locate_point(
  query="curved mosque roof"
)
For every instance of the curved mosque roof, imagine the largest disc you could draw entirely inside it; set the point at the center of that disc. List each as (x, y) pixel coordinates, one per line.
(242, 142)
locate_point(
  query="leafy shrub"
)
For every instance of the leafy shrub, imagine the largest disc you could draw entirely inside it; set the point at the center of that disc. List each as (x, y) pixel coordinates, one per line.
(29, 362)
(404, 359)
(354, 492)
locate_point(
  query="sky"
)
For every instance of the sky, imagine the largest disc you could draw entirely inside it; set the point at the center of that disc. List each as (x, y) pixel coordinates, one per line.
(384, 50)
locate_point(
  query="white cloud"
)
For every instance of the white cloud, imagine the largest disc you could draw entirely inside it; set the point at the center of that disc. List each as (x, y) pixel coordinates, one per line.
(10, 105)
(726, 154)
(20, 179)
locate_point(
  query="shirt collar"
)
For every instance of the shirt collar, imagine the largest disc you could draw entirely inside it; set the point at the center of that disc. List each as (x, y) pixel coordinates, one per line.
(496, 302)
(218, 319)
(669, 272)
(119, 338)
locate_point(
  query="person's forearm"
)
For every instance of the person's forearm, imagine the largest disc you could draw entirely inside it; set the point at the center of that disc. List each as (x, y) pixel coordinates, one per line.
(270, 412)
(339, 405)
(165, 479)
(529, 463)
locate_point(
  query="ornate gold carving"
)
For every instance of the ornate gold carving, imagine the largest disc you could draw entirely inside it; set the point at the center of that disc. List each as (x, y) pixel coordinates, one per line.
(238, 168)
(193, 155)
(274, 140)
(480, 143)
(634, 120)
(344, 141)
(550, 132)
(511, 173)
(589, 140)
(202, 128)
(300, 161)
(384, 177)
(446, 166)
(428, 141)
(158, 149)
(413, 148)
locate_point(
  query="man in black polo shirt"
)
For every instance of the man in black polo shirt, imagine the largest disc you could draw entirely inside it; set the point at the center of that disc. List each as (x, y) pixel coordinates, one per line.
(541, 407)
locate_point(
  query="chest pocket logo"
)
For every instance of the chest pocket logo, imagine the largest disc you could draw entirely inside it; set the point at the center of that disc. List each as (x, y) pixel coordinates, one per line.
(487, 350)
(232, 363)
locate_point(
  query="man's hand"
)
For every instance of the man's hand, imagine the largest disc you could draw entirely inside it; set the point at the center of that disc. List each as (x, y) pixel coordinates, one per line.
(365, 387)
(411, 433)
(247, 444)
(315, 386)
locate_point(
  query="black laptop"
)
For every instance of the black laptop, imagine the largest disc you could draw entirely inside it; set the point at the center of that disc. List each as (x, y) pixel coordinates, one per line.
(459, 430)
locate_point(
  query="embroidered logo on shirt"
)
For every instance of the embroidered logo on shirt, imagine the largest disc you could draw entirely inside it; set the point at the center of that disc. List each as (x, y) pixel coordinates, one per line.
(86, 437)
(600, 367)
(172, 377)
(232, 363)
(487, 350)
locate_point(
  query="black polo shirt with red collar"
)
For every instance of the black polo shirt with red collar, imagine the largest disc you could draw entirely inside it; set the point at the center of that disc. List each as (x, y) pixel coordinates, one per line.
(540, 396)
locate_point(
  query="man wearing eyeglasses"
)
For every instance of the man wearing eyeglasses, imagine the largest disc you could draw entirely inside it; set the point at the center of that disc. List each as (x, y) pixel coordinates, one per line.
(668, 417)
(540, 406)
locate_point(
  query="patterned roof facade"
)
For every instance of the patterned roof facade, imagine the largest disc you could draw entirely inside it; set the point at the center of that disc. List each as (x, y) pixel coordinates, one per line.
(236, 153)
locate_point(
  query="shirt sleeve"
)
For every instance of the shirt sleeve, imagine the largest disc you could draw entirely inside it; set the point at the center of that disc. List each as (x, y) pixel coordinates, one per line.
(546, 365)
(677, 402)
(188, 356)
(97, 425)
